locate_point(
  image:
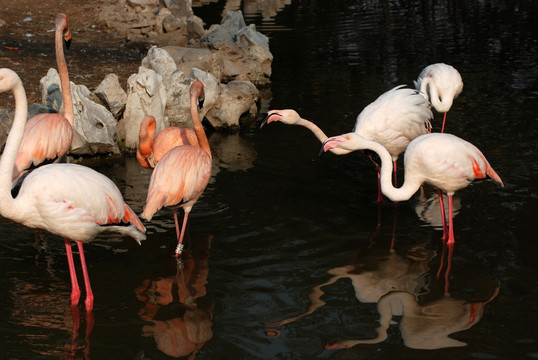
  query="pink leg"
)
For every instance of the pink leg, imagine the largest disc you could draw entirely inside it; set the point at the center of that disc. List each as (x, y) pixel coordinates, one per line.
(179, 248)
(75, 290)
(395, 172)
(89, 292)
(443, 127)
(450, 243)
(443, 215)
(379, 193)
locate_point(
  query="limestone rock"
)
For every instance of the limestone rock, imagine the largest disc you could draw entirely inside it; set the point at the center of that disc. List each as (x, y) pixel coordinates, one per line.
(236, 98)
(146, 95)
(112, 95)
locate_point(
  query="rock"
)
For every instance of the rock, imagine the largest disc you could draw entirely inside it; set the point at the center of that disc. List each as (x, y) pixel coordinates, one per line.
(143, 3)
(51, 93)
(236, 98)
(36, 109)
(6, 120)
(179, 8)
(94, 126)
(195, 27)
(222, 36)
(188, 58)
(112, 95)
(146, 95)
(171, 23)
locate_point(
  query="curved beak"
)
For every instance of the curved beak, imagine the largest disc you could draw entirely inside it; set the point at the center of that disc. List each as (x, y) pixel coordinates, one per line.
(266, 119)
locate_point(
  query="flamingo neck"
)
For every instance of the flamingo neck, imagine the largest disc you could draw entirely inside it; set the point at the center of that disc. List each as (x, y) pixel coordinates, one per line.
(61, 26)
(411, 183)
(198, 127)
(7, 161)
(318, 133)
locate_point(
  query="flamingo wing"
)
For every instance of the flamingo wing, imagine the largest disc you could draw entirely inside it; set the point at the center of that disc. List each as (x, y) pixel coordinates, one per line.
(178, 180)
(46, 137)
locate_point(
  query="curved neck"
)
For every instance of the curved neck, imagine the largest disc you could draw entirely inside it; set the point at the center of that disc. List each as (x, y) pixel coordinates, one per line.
(13, 143)
(61, 28)
(314, 128)
(410, 185)
(195, 93)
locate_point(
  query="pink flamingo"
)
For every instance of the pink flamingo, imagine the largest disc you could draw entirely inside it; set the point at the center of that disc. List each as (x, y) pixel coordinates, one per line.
(393, 120)
(182, 174)
(442, 160)
(49, 136)
(440, 84)
(69, 200)
(151, 147)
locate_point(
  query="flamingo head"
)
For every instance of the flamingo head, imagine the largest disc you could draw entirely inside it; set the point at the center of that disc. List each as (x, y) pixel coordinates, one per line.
(197, 92)
(289, 117)
(341, 144)
(61, 24)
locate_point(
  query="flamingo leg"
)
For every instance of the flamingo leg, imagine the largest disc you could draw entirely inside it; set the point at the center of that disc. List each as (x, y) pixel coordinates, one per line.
(443, 127)
(75, 290)
(450, 243)
(443, 215)
(394, 171)
(379, 193)
(89, 292)
(179, 248)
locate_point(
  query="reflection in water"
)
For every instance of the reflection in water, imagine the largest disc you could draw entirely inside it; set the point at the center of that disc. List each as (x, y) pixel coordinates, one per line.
(424, 326)
(429, 210)
(375, 273)
(231, 152)
(174, 304)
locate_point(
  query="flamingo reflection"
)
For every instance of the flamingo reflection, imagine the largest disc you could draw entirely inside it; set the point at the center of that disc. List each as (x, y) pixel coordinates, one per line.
(375, 273)
(424, 326)
(176, 306)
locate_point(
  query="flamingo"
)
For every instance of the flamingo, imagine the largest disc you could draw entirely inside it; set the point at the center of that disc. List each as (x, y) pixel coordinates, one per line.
(393, 120)
(69, 200)
(151, 148)
(444, 161)
(182, 174)
(49, 136)
(440, 84)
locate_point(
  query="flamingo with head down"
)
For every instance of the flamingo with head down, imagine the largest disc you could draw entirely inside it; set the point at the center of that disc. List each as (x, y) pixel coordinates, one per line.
(69, 200)
(442, 160)
(47, 137)
(440, 84)
(151, 147)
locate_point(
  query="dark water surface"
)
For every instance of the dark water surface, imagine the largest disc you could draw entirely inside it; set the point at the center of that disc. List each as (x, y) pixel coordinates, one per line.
(280, 232)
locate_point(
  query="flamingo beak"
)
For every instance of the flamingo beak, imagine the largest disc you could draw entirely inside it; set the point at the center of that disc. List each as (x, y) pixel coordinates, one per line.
(266, 119)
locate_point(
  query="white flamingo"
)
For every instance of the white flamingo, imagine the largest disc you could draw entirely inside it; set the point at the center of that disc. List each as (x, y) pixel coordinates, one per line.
(442, 160)
(69, 200)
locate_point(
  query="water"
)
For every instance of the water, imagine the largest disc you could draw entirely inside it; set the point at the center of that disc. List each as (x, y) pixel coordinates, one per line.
(281, 235)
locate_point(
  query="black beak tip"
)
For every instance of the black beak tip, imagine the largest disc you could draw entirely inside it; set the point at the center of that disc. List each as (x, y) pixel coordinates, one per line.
(68, 43)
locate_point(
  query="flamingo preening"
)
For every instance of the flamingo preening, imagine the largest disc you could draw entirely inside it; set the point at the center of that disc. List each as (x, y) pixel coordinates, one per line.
(442, 160)
(47, 137)
(69, 200)
(151, 147)
(182, 174)
(440, 84)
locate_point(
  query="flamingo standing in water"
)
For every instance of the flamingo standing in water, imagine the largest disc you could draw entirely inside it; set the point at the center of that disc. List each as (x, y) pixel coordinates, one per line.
(182, 174)
(440, 84)
(151, 147)
(393, 120)
(69, 200)
(442, 160)
(49, 136)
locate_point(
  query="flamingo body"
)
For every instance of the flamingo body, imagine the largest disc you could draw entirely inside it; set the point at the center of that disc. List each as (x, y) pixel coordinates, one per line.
(178, 180)
(48, 137)
(75, 202)
(151, 147)
(394, 119)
